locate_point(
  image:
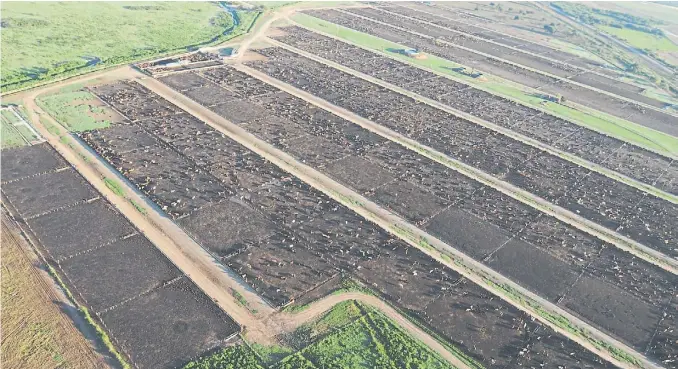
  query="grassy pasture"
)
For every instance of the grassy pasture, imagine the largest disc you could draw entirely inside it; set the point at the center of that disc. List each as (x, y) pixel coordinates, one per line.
(664, 13)
(641, 40)
(273, 4)
(9, 116)
(46, 40)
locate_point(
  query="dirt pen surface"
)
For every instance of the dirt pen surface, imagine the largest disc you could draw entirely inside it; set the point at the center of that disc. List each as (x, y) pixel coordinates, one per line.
(541, 231)
(546, 175)
(130, 289)
(295, 239)
(587, 144)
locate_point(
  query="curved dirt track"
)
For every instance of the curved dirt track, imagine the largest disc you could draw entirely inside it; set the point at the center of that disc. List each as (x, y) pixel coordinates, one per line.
(290, 321)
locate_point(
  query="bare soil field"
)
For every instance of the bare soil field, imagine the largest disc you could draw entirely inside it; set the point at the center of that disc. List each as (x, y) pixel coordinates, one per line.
(616, 311)
(139, 267)
(79, 228)
(41, 194)
(28, 161)
(190, 323)
(147, 167)
(314, 235)
(228, 227)
(666, 336)
(118, 274)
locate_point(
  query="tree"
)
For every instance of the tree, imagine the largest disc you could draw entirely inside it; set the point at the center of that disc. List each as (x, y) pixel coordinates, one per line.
(550, 29)
(516, 18)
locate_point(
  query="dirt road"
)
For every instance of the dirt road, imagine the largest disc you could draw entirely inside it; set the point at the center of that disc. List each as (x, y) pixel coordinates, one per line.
(470, 268)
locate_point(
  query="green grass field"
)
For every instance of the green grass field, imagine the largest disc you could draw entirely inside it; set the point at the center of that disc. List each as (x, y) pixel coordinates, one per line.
(350, 335)
(641, 40)
(273, 4)
(25, 131)
(371, 341)
(77, 110)
(601, 122)
(9, 116)
(46, 40)
(114, 186)
(10, 137)
(664, 13)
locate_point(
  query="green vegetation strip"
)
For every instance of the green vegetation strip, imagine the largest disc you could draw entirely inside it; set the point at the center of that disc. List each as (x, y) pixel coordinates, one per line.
(103, 336)
(140, 208)
(51, 128)
(114, 186)
(595, 120)
(350, 285)
(232, 357)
